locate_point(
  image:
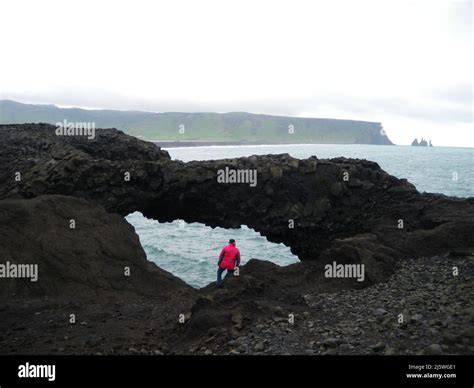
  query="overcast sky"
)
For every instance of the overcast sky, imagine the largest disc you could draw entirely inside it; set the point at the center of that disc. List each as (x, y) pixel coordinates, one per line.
(407, 64)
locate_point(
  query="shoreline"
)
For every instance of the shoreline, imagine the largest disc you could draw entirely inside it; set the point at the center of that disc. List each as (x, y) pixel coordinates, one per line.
(196, 144)
(177, 145)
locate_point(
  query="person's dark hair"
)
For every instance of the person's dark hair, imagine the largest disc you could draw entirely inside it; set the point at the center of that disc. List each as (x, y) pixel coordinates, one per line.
(232, 241)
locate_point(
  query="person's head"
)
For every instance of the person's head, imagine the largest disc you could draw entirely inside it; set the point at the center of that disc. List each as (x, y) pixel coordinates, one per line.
(232, 241)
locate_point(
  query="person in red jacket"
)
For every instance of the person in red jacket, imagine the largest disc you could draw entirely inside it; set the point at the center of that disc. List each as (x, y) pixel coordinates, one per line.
(229, 258)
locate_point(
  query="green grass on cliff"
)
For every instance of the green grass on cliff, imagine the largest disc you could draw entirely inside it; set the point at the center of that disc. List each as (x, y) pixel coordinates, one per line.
(235, 126)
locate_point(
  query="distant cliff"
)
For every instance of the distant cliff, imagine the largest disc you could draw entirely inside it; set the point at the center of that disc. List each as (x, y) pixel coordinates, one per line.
(208, 127)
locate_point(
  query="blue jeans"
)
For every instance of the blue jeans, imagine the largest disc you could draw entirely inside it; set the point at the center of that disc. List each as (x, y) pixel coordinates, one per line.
(219, 274)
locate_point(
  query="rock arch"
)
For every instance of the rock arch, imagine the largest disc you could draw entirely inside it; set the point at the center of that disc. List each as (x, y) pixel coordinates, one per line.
(352, 219)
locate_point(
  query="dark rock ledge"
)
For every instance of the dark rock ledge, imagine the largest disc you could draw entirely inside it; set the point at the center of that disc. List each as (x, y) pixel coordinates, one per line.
(353, 221)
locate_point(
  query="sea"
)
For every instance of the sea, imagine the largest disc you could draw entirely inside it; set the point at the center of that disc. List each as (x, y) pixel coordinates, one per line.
(190, 250)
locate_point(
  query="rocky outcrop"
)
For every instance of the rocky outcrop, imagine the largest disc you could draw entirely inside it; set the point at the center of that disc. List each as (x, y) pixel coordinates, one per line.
(78, 250)
(343, 210)
(422, 143)
(339, 209)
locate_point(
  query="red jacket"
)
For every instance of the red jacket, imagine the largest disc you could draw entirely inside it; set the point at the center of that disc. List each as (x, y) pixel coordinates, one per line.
(229, 257)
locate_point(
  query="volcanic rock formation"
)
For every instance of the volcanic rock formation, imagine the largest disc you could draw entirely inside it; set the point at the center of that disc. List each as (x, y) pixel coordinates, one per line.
(100, 255)
(344, 209)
